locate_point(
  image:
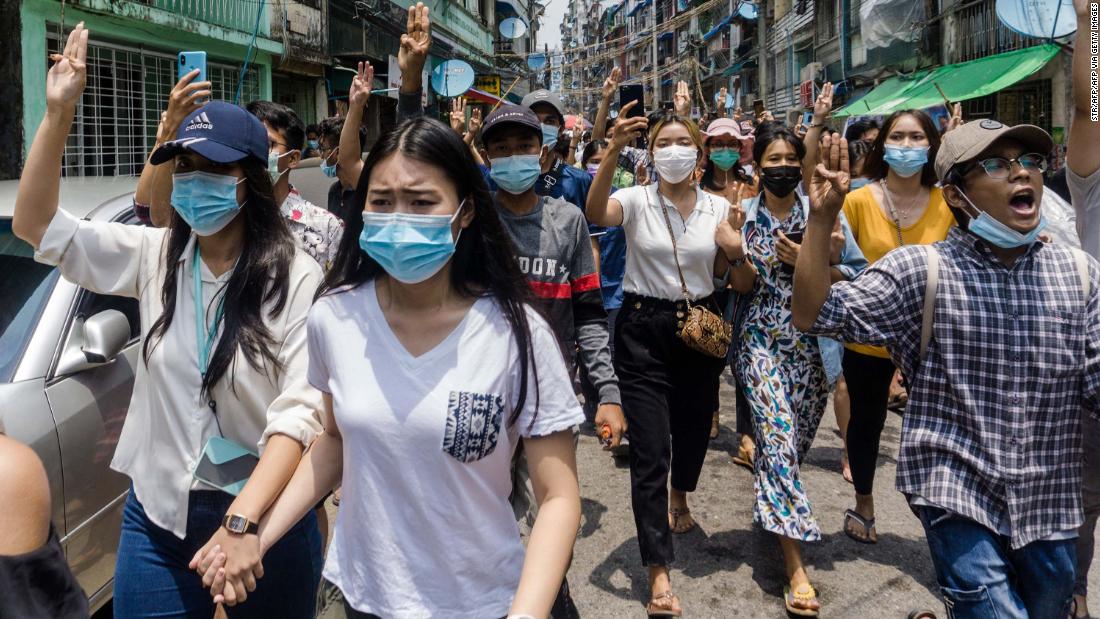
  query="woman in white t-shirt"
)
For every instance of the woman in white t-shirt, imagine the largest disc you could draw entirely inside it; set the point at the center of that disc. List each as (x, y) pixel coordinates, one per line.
(433, 367)
(668, 388)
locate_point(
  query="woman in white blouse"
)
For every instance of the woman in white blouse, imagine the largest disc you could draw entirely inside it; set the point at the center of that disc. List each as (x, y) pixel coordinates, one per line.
(433, 368)
(223, 297)
(669, 389)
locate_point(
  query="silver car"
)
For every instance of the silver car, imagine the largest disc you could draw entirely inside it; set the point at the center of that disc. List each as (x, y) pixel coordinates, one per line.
(67, 363)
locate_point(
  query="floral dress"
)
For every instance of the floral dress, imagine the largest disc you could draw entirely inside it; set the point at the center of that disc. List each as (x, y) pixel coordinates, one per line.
(784, 383)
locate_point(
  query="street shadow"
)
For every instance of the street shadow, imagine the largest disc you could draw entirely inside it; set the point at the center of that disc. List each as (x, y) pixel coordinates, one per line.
(700, 555)
(591, 514)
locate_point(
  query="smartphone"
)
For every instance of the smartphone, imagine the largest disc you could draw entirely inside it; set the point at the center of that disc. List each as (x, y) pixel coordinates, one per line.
(632, 92)
(795, 237)
(758, 107)
(189, 61)
(807, 119)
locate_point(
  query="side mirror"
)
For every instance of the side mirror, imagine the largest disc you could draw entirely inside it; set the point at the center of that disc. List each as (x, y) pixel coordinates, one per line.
(94, 342)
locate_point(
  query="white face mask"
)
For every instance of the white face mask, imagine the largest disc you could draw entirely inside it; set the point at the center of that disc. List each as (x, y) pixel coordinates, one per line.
(675, 163)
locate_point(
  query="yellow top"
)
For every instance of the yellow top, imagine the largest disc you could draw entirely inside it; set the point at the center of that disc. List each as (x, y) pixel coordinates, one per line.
(876, 234)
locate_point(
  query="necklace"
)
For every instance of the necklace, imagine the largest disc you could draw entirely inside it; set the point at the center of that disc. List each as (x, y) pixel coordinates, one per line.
(893, 211)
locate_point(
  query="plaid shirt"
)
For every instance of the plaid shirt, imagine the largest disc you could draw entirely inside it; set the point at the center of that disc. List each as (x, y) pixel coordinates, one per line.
(993, 427)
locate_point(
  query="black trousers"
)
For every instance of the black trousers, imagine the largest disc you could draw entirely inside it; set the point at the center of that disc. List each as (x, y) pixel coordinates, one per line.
(868, 381)
(670, 393)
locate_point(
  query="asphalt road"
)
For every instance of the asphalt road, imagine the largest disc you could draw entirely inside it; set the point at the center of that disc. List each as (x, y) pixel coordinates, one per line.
(728, 567)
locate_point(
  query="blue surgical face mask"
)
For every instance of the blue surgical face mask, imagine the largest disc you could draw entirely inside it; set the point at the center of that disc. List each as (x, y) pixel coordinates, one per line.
(207, 202)
(328, 169)
(515, 174)
(273, 165)
(314, 144)
(986, 227)
(906, 162)
(859, 182)
(549, 135)
(411, 248)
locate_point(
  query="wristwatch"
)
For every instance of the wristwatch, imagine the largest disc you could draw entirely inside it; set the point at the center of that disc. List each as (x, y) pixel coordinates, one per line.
(241, 525)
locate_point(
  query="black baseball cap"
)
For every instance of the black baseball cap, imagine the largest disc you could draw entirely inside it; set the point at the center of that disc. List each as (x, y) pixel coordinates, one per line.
(221, 132)
(510, 116)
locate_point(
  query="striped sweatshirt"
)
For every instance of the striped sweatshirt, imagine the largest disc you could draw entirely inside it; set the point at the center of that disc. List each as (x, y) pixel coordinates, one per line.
(555, 255)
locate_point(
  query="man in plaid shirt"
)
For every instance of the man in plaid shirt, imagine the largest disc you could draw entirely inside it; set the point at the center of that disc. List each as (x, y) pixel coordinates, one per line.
(991, 440)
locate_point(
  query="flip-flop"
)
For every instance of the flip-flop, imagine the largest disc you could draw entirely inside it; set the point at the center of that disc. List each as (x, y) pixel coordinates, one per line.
(677, 514)
(921, 614)
(804, 593)
(868, 525)
(745, 458)
(654, 610)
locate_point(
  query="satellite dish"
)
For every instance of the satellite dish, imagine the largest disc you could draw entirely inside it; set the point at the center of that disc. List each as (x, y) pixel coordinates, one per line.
(452, 78)
(1042, 19)
(536, 61)
(513, 28)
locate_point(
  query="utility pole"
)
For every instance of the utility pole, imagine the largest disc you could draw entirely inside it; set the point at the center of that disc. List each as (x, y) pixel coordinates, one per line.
(656, 77)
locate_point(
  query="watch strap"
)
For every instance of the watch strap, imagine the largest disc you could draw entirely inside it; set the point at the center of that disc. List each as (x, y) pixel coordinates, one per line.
(233, 524)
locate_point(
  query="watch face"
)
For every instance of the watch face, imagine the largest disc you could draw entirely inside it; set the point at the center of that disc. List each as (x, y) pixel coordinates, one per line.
(237, 524)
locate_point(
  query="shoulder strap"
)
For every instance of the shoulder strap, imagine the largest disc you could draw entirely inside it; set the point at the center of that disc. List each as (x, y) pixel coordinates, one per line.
(930, 287)
(672, 235)
(1082, 261)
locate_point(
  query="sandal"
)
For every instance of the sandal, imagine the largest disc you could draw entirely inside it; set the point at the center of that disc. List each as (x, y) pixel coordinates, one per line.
(803, 594)
(921, 614)
(664, 605)
(746, 457)
(868, 524)
(678, 513)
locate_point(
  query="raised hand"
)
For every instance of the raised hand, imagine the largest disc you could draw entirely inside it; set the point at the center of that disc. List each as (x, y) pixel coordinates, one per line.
(831, 178)
(474, 124)
(458, 115)
(641, 174)
(611, 84)
(738, 114)
(836, 243)
(414, 46)
(824, 104)
(361, 85)
(681, 101)
(183, 100)
(1081, 7)
(956, 119)
(626, 129)
(67, 77)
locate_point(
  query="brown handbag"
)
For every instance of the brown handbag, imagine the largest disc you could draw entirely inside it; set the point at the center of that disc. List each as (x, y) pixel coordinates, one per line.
(703, 330)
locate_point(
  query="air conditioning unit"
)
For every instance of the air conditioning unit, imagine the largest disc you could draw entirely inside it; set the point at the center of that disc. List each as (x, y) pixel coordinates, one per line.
(810, 71)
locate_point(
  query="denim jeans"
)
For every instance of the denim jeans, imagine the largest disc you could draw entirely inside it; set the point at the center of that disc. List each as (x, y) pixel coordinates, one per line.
(152, 578)
(982, 577)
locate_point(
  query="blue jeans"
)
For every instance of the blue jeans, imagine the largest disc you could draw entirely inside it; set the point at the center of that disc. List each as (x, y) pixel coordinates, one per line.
(152, 579)
(981, 576)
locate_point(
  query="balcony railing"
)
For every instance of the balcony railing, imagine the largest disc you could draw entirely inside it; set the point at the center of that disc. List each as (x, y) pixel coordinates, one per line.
(232, 14)
(980, 33)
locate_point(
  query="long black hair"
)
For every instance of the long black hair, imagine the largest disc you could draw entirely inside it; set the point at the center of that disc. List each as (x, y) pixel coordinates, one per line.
(875, 166)
(262, 276)
(771, 132)
(484, 261)
(736, 174)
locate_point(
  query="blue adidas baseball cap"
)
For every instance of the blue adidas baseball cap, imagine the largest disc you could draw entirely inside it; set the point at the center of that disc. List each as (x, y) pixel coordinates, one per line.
(221, 132)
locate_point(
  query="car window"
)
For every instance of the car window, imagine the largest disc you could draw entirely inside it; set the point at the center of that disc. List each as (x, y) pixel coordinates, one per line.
(92, 304)
(24, 291)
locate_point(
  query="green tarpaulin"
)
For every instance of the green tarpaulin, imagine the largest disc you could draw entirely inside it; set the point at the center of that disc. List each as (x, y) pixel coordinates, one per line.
(962, 81)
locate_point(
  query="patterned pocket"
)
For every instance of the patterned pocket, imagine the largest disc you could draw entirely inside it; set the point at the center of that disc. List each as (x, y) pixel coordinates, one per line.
(473, 424)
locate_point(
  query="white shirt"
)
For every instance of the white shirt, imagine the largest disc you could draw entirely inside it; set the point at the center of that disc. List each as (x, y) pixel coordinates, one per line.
(425, 528)
(168, 423)
(650, 266)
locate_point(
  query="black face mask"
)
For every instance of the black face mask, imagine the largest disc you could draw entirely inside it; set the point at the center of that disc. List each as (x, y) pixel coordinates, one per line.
(781, 180)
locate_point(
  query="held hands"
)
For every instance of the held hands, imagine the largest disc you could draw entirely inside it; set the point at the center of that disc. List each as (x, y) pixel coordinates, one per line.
(681, 101)
(361, 85)
(67, 77)
(414, 47)
(183, 100)
(229, 565)
(626, 129)
(830, 179)
(612, 416)
(824, 104)
(611, 84)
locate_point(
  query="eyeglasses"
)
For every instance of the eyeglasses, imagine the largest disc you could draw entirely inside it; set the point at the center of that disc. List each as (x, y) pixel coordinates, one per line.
(1000, 168)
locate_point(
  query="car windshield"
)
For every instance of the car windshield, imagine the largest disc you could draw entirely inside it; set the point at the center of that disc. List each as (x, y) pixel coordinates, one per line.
(24, 290)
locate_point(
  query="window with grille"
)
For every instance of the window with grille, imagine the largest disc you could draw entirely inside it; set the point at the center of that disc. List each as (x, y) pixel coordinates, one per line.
(116, 121)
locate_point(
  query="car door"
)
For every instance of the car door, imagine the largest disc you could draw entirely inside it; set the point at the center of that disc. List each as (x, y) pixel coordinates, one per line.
(89, 408)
